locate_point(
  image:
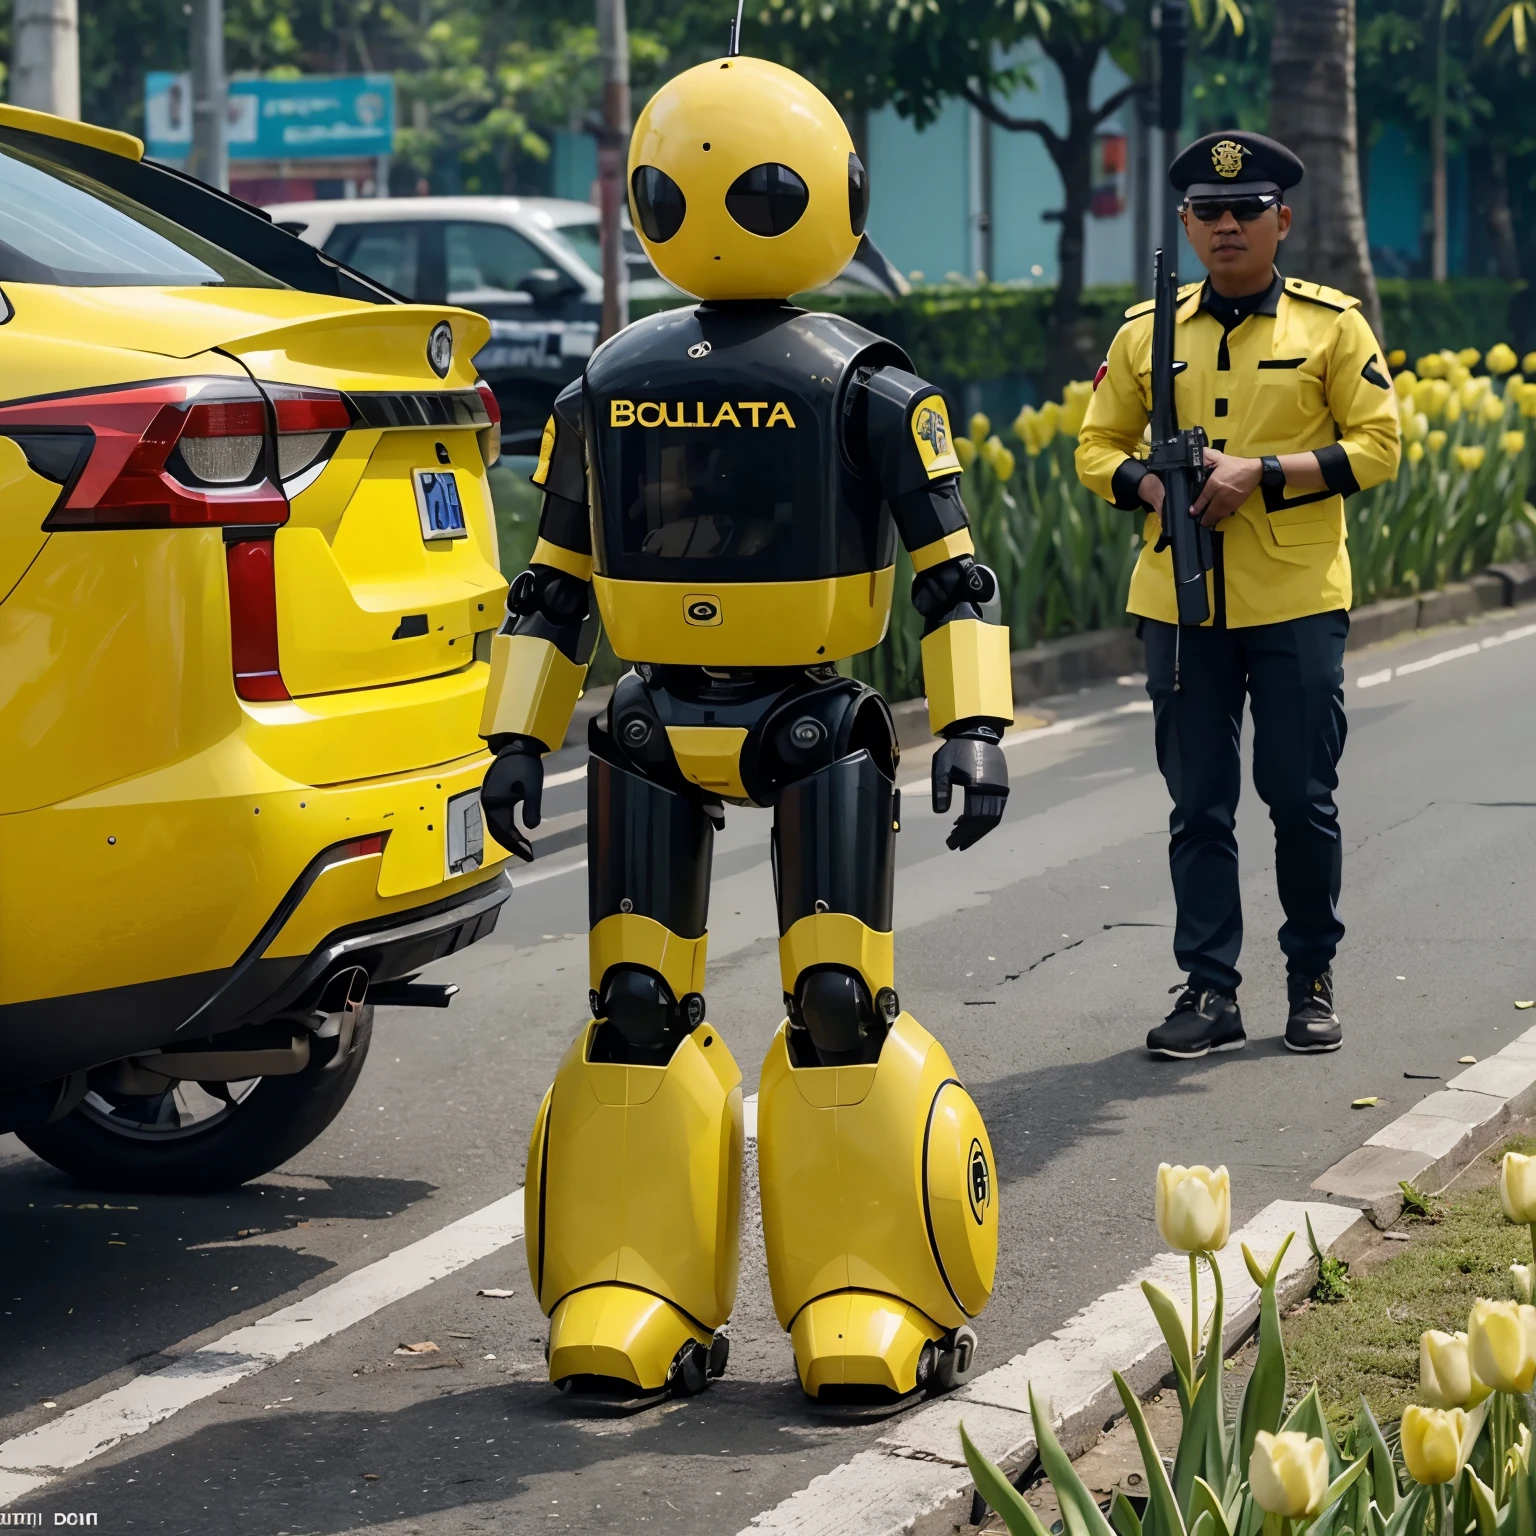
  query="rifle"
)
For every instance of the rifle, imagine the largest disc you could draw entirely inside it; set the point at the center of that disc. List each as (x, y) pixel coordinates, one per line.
(1177, 460)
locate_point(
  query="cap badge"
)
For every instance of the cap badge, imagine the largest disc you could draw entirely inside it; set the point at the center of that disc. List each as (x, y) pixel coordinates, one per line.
(1227, 158)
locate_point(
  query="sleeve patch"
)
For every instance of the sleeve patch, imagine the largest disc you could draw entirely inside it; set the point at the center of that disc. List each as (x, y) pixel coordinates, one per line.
(1373, 375)
(935, 442)
(1098, 377)
(546, 452)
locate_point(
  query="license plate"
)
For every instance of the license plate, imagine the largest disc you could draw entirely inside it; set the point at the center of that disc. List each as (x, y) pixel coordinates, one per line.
(438, 504)
(466, 833)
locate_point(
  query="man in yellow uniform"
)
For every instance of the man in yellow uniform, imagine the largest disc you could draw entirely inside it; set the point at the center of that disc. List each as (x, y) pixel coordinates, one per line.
(1292, 390)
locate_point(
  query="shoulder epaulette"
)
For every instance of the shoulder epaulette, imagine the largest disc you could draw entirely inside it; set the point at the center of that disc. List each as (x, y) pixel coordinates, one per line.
(1317, 293)
(1146, 306)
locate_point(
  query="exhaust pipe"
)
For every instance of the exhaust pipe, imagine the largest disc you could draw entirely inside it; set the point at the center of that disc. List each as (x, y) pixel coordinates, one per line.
(341, 1004)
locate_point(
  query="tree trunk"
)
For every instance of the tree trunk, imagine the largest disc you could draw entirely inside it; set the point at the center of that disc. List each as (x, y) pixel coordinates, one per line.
(1312, 112)
(1069, 351)
(1501, 224)
(45, 56)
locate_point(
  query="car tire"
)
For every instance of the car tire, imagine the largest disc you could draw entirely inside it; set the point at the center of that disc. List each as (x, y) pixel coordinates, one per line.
(277, 1118)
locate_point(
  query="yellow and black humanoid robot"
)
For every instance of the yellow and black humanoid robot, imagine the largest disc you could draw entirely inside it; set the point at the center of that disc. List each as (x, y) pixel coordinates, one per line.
(723, 489)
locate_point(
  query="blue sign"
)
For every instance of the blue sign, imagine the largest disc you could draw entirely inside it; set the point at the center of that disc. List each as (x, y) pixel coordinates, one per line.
(317, 117)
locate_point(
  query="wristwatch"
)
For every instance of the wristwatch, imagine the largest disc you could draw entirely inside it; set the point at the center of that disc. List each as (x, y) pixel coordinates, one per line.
(1273, 477)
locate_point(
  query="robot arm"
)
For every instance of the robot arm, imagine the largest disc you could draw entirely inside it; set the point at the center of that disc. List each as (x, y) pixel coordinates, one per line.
(903, 426)
(540, 655)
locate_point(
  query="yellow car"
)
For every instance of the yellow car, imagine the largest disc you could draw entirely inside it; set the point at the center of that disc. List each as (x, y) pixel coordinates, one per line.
(248, 583)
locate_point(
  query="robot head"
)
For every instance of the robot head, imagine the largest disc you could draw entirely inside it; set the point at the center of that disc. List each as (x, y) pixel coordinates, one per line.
(743, 182)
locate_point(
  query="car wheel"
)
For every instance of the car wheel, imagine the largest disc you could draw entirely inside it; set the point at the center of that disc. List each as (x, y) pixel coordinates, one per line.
(198, 1137)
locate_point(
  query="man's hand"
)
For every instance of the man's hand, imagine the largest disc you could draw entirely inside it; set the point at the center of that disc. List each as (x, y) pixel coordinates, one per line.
(980, 766)
(1150, 489)
(1232, 481)
(515, 777)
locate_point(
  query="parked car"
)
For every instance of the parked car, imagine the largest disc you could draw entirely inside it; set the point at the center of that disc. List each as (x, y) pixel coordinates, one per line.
(530, 265)
(248, 582)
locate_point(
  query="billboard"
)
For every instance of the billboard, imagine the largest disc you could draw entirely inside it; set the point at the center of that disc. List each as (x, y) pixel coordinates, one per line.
(316, 117)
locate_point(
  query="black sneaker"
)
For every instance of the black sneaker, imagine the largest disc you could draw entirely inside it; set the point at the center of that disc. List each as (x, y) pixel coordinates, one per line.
(1203, 1020)
(1313, 1025)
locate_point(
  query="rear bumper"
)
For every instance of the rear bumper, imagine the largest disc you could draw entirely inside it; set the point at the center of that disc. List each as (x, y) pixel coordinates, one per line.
(46, 1038)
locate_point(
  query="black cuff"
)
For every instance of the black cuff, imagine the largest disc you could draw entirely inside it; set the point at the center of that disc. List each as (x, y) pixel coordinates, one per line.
(977, 727)
(1337, 475)
(510, 740)
(1126, 485)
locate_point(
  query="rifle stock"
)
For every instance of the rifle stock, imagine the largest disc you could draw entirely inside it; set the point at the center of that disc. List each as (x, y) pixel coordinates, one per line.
(1178, 460)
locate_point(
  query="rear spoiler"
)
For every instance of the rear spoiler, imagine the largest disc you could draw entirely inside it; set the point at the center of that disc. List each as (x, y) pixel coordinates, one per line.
(225, 221)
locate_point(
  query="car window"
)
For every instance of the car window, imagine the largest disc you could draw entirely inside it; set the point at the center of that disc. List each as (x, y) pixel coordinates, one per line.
(388, 253)
(488, 257)
(62, 227)
(584, 238)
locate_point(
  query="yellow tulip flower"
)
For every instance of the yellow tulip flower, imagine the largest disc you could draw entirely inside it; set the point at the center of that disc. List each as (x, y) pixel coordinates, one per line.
(1512, 443)
(1414, 423)
(1403, 382)
(1396, 358)
(1501, 1345)
(1456, 375)
(1431, 366)
(981, 428)
(1194, 1207)
(1432, 1440)
(1074, 406)
(965, 451)
(1446, 1377)
(1517, 1181)
(999, 460)
(1452, 411)
(1528, 402)
(1469, 357)
(1528, 363)
(1470, 456)
(1435, 441)
(1288, 1473)
(1415, 453)
(1501, 358)
(1492, 409)
(1524, 1276)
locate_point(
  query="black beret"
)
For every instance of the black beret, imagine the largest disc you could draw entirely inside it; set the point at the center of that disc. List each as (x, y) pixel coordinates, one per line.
(1227, 162)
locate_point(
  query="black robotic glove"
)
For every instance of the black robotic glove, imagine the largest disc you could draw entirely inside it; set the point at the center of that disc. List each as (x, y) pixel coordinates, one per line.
(974, 759)
(516, 776)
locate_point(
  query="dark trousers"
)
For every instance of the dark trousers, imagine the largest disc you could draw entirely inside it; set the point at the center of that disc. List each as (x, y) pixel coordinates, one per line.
(1294, 675)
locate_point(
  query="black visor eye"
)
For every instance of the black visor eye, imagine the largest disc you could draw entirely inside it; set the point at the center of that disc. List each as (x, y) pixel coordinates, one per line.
(659, 203)
(858, 194)
(768, 199)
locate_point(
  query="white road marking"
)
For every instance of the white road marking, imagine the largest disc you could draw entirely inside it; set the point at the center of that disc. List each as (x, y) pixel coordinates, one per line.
(555, 780)
(549, 872)
(749, 1116)
(1375, 679)
(30, 1461)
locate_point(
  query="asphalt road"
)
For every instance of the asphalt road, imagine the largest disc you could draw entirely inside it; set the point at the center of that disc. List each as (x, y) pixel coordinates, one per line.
(1040, 958)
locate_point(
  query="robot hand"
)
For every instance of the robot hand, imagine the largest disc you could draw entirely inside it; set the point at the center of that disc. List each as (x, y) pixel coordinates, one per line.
(979, 765)
(517, 775)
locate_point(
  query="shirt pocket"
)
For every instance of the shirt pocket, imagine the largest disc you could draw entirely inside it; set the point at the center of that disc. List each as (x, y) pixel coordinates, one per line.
(1316, 523)
(1286, 410)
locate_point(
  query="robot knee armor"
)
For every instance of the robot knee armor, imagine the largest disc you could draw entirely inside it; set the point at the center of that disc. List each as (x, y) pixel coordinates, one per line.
(831, 1004)
(638, 1006)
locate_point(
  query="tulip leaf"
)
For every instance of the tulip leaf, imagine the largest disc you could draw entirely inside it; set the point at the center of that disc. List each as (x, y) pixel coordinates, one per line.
(1080, 1512)
(1162, 1507)
(1255, 1272)
(1264, 1396)
(1342, 1484)
(1202, 1502)
(999, 1493)
(1123, 1517)
(1370, 1440)
(1408, 1518)
(1175, 1334)
(1481, 1495)
(1204, 1525)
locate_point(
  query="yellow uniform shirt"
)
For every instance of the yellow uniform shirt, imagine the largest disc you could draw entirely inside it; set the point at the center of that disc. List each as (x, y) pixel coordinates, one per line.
(1301, 372)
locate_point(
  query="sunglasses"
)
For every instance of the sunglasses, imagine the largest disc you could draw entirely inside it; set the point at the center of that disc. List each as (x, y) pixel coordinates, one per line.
(1244, 209)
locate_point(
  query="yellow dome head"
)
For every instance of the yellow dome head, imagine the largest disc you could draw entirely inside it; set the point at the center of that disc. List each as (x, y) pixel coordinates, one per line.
(743, 182)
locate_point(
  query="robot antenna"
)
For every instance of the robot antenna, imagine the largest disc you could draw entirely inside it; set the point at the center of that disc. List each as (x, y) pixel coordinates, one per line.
(734, 46)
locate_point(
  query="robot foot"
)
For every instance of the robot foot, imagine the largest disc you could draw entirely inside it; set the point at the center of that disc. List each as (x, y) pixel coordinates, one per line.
(618, 1337)
(852, 1342)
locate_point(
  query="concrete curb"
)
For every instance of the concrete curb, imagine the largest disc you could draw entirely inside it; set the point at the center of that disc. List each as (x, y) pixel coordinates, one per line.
(1436, 1139)
(915, 1480)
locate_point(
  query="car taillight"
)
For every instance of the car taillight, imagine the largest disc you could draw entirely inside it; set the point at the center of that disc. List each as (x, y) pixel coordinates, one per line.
(178, 452)
(490, 437)
(309, 424)
(253, 620)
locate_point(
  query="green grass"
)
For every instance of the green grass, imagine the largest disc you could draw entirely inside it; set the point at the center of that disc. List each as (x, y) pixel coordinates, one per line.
(1368, 1343)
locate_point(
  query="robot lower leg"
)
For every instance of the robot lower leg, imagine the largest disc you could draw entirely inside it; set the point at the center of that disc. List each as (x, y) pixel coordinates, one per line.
(879, 1203)
(635, 1160)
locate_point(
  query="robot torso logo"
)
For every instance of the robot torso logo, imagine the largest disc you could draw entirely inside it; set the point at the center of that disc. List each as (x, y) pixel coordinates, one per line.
(932, 428)
(978, 1181)
(702, 609)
